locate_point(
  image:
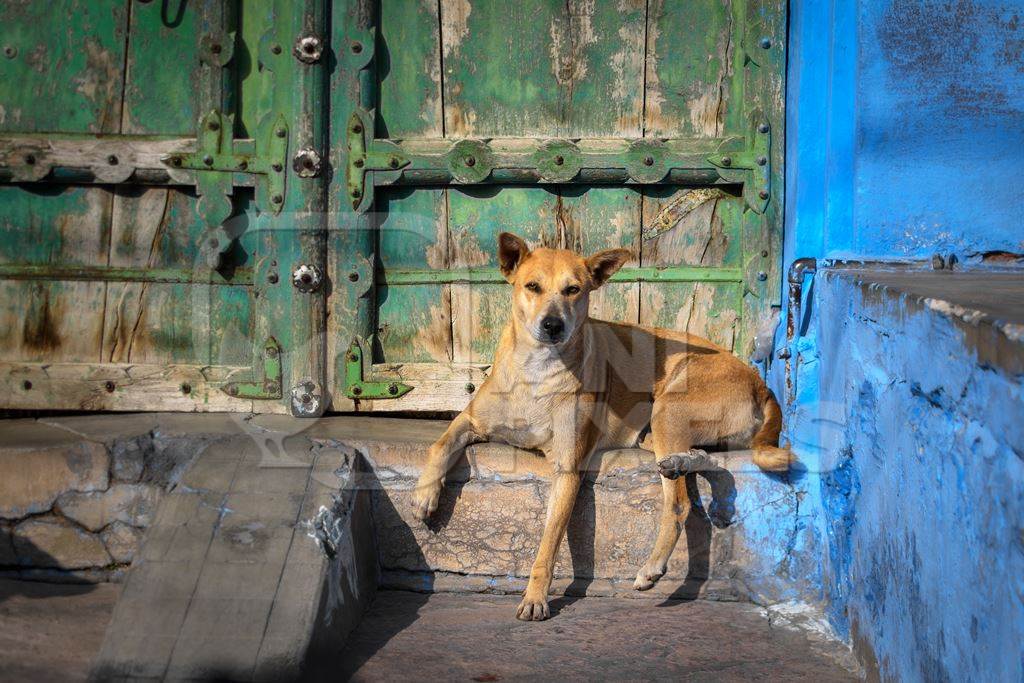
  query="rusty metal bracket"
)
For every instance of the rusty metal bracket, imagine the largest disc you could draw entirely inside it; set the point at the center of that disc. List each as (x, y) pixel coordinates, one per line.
(358, 388)
(215, 152)
(269, 387)
(381, 155)
(753, 166)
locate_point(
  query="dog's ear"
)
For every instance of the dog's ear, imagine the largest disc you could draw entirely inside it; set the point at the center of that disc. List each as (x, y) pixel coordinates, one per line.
(511, 252)
(604, 264)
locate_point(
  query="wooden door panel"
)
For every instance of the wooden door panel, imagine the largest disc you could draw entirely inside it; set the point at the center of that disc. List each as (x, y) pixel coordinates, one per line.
(543, 68)
(64, 75)
(55, 320)
(152, 322)
(689, 89)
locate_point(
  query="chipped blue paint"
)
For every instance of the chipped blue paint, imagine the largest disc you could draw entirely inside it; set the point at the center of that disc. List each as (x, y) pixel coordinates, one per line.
(905, 125)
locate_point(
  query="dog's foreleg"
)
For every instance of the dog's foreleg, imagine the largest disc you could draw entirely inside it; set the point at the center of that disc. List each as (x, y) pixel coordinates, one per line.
(564, 487)
(460, 433)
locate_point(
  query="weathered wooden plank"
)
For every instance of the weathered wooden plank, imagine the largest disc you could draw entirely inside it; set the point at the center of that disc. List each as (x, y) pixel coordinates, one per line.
(605, 218)
(475, 219)
(83, 386)
(414, 321)
(158, 31)
(708, 310)
(53, 321)
(707, 235)
(171, 323)
(689, 85)
(436, 387)
(410, 73)
(542, 67)
(63, 69)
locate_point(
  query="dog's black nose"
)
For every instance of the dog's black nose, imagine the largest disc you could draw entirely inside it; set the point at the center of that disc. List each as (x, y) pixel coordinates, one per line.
(552, 325)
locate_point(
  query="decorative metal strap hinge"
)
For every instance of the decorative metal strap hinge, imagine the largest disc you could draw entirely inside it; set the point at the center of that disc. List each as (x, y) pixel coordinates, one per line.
(358, 388)
(366, 154)
(269, 387)
(752, 166)
(214, 152)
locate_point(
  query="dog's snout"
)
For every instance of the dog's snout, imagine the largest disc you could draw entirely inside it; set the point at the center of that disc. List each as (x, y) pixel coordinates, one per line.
(552, 325)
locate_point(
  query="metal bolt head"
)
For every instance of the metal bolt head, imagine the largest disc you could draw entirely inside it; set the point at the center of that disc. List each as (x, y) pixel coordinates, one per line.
(271, 352)
(30, 159)
(357, 128)
(278, 167)
(308, 49)
(353, 358)
(277, 199)
(307, 278)
(471, 161)
(394, 162)
(26, 385)
(208, 160)
(272, 278)
(648, 161)
(393, 389)
(766, 43)
(306, 163)
(356, 192)
(243, 165)
(357, 47)
(726, 161)
(280, 132)
(176, 162)
(763, 128)
(215, 48)
(762, 276)
(764, 253)
(470, 387)
(763, 194)
(109, 386)
(10, 51)
(761, 161)
(358, 163)
(186, 388)
(353, 276)
(112, 160)
(559, 160)
(275, 49)
(357, 390)
(213, 125)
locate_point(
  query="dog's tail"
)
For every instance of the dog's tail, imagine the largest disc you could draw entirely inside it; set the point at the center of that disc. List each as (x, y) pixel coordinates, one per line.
(767, 454)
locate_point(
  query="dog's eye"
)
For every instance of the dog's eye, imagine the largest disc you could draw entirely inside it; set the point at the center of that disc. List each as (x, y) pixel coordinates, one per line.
(533, 287)
(571, 290)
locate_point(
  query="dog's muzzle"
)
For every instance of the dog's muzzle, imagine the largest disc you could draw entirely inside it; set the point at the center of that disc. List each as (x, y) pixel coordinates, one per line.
(552, 327)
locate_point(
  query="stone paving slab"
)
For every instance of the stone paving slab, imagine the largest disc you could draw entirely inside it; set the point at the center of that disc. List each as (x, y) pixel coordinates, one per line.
(229, 584)
(413, 637)
(51, 632)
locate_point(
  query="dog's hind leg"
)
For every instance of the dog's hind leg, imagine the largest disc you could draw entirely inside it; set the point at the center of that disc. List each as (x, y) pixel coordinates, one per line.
(675, 507)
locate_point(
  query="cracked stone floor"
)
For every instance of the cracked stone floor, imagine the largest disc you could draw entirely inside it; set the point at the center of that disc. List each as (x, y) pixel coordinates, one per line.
(449, 636)
(51, 632)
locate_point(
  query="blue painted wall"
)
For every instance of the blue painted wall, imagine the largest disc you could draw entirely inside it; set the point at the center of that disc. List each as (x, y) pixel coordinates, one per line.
(905, 138)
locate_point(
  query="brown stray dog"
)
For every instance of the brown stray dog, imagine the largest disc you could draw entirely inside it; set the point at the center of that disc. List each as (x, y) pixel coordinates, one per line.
(568, 385)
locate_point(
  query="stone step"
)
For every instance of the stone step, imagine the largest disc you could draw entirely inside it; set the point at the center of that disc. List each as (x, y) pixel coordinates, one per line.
(486, 531)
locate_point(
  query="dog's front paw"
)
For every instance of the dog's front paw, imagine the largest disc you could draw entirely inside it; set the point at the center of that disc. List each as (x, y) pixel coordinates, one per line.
(424, 500)
(533, 609)
(646, 578)
(678, 464)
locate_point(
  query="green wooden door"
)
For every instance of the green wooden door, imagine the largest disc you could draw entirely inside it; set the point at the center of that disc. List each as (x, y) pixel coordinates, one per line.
(292, 206)
(588, 124)
(155, 201)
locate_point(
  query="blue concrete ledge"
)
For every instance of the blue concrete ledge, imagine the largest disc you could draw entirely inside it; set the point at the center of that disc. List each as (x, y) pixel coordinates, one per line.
(909, 406)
